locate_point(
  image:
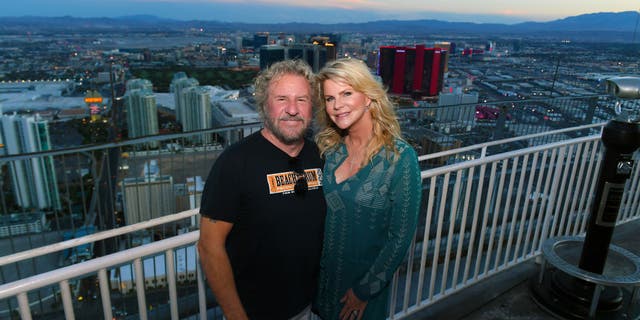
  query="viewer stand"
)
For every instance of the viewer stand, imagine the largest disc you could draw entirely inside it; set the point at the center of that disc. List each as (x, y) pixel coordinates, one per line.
(583, 282)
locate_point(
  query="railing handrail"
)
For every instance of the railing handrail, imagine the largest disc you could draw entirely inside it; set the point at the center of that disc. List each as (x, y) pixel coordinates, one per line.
(449, 152)
(128, 142)
(36, 252)
(141, 140)
(505, 155)
(121, 257)
(32, 253)
(508, 101)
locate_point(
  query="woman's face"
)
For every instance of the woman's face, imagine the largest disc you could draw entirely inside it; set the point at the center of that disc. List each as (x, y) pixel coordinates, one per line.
(345, 106)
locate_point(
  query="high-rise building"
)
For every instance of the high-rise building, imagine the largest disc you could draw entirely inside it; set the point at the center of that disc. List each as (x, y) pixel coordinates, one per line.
(447, 47)
(329, 43)
(146, 198)
(490, 46)
(139, 84)
(146, 55)
(270, 54)
(180, 82)
(463, 114)
(260, 39)
(417, 71)
(34, 180)
(197, 111)
(315, 54)
(142, 111)
(473, 53)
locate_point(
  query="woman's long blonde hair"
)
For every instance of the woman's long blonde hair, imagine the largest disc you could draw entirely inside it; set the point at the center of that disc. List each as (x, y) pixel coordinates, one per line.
(356, 74)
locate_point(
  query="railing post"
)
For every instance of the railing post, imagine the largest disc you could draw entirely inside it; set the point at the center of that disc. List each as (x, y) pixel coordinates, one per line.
(140, 290)
(171, 281)
(67, 301)
(25, 309)
(105, 294)
(202, 296)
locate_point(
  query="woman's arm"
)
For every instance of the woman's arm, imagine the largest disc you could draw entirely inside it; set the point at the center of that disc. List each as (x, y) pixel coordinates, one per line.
(405, 193)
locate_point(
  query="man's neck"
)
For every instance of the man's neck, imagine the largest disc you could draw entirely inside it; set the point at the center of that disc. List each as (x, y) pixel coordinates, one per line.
(292, 149)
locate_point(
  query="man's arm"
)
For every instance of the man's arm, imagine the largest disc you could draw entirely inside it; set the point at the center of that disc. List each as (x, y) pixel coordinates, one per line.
(217, 267)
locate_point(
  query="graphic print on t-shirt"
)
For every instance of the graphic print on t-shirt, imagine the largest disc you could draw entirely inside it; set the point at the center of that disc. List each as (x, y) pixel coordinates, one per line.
(284, 182)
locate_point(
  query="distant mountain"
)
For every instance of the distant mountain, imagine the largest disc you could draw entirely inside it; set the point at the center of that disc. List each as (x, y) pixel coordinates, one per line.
(605, 21)
(605, 26)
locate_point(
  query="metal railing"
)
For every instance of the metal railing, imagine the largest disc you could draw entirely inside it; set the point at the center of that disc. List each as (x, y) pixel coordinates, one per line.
(122, 188)
(487, 215)
(480, 217)
(103, 266)
(434, 128)
(104, 191)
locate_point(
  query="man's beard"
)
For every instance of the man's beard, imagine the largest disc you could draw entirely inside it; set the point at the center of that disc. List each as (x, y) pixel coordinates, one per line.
(286, 136)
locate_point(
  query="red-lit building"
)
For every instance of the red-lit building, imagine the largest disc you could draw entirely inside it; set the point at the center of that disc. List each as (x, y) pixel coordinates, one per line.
(417, 71)
(471, 51)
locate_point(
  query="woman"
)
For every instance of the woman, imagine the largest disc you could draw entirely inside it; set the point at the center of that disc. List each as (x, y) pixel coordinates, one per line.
(372, 186)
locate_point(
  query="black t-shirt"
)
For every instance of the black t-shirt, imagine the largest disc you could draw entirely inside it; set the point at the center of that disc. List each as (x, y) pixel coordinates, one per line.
(276, 240)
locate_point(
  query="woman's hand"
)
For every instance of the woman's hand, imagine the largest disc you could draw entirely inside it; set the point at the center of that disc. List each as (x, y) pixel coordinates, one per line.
(353, 307)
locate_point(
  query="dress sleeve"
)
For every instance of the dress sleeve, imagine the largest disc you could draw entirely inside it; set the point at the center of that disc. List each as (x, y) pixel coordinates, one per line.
(405, 195)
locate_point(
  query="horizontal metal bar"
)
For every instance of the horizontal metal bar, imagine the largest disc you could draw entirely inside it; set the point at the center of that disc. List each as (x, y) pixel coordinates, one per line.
(450, 152)
(129, 142)
(93, 265)
(32, 253)
(502, 156)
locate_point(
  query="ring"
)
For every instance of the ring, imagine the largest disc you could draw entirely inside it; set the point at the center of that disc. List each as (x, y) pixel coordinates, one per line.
(355, 312)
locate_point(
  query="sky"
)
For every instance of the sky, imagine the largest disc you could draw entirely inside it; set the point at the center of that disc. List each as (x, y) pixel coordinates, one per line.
(324, 11)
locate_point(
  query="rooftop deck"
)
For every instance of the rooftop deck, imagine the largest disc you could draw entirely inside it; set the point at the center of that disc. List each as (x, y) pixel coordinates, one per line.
(508, 295)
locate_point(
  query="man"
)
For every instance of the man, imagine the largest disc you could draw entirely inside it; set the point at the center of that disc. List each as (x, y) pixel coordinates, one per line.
(263, 208)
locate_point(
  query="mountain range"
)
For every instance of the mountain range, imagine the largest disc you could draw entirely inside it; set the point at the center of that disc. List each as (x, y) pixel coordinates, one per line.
(604, 26)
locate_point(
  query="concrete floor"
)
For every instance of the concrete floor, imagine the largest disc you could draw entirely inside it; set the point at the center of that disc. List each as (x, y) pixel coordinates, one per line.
(507, 296)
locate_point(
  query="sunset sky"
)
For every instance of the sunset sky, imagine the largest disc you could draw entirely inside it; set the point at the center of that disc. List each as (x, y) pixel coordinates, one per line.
(327, 11)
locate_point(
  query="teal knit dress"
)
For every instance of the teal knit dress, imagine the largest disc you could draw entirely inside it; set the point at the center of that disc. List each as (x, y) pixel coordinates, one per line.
(370, 223)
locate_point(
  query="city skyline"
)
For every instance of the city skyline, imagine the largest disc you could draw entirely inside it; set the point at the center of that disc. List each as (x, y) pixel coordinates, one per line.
(333, 11)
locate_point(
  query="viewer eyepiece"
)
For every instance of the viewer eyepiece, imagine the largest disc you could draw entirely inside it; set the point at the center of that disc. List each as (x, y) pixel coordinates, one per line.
(624, 87)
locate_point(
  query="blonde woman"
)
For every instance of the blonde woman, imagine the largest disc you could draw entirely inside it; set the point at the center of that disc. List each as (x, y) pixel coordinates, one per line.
(372, 187)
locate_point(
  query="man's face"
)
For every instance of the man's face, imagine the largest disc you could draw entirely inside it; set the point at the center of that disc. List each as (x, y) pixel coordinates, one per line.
(288, 108)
